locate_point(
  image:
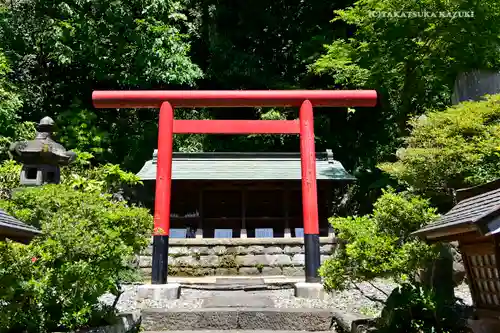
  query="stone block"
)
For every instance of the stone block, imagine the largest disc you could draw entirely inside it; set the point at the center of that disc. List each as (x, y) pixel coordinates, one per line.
(147, 251)
(145, 261)
(158, 292)
(226, 271)
(237, 319)
(178, 251)
(202, 250)
(255, 249)
(248, 271)
(232, 249)
(271, 271)
(327, 249)
(298, 259)
(239, 300)
(209, 261)
(273, 250)
(310, 290)
(146, 272)
(218, 250)
(278, 260)
(252, 260)
(279, 319)
(228, 261)
(265, 260)
(293, 271)
(293, 249)
(185, 261)
(189, 319)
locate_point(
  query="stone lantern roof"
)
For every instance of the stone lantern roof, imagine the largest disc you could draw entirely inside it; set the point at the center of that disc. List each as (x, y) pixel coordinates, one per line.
(42, 150)
(41, 157)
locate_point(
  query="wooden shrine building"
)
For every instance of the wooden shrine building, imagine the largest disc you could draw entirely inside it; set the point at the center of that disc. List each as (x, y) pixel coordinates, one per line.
(475, 223)
(242, 195)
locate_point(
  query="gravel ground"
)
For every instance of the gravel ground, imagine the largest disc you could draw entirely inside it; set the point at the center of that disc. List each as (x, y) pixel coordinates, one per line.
(349, 300)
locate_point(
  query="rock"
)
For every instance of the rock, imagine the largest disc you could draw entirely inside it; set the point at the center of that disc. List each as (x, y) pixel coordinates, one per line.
(293, 249)
(293, 271)
(248, 271)
(218, 250)
(298, 260)
(185, 261)
(145, 261)
(209, 261)
(271, 271)
(326, 249)
(273, 250)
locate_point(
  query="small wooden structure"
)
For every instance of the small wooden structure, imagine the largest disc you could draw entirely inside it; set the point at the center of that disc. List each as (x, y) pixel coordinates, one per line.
(12, 228)
(243, 194)
(475, 223)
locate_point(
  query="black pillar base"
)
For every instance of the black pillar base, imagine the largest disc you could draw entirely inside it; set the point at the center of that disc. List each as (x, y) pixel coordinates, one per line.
(160, 260)
(312, 258)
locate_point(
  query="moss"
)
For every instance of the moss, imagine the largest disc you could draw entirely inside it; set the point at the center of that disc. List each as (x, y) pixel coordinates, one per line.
(173, 270)
(260, 267)
(196, 255)
(228, 261)
(187, 271)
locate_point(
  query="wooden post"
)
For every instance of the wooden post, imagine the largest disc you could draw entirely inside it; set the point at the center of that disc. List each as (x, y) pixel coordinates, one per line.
(243, 232)
(309, 193)
(286, 213)
(162, 202)
(199, 230)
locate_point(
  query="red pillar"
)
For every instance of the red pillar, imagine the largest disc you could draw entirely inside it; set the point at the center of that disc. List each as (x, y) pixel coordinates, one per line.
(163, 194)
(309, 192)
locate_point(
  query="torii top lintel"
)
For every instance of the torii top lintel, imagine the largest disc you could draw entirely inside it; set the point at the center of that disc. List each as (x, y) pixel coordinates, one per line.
(233, 98)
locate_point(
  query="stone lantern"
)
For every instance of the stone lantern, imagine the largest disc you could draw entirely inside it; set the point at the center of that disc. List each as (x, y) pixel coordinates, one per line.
(41, 157)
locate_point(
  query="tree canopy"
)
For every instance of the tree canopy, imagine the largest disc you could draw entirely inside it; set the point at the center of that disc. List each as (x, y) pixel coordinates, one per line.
(55, 53)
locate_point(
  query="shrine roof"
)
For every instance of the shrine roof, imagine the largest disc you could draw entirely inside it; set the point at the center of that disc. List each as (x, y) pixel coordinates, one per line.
(11, 227)
(478, 206)
(245, 166)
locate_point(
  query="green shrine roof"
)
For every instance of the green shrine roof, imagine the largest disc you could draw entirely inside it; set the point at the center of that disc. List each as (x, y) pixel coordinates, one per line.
(245, 166)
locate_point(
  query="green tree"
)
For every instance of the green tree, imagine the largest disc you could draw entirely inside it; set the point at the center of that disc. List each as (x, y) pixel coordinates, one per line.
(380, 244)
(411, 61)
(450, 149)
(61, 51)
(11, 127)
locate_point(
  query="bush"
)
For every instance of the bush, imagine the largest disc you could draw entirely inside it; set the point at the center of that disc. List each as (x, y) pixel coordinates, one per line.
(80, 175)
(414, 308)
(54, 283)
(450, 149)
(380, 244)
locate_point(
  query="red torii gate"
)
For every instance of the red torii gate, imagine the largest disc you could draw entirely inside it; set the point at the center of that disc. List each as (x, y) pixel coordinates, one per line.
(170, 99)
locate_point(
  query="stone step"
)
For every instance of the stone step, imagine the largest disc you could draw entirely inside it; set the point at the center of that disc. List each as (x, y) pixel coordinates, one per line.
(232, 331)
(238, 318)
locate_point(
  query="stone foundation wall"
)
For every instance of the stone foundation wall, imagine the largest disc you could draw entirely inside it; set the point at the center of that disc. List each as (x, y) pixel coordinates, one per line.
(250, 256)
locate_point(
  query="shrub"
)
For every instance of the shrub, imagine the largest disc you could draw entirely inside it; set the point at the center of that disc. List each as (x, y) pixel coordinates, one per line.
(380, 244)
(80, 175)
(450, 149)
(54, 283)
(414, 308)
